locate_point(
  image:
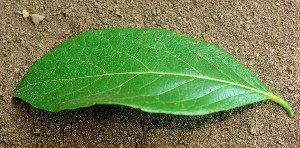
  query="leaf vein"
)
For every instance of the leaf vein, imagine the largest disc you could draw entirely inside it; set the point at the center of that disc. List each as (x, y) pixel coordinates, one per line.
(154, 73)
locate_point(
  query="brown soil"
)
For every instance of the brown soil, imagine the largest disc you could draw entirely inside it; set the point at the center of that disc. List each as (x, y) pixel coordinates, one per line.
(263, 35)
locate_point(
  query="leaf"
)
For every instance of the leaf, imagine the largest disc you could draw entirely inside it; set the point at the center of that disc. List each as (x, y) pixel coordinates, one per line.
(152, 69)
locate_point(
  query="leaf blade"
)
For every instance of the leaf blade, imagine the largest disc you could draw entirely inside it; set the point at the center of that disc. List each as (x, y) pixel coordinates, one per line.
(151, 69)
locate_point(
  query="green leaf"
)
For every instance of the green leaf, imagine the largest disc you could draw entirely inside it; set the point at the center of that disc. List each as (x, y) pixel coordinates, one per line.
(152, 69)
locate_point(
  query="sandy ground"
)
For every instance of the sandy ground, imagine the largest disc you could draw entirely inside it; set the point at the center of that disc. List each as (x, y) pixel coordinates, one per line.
(263, 35)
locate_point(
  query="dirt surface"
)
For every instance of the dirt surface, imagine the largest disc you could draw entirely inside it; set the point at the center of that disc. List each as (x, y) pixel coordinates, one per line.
(263, 35)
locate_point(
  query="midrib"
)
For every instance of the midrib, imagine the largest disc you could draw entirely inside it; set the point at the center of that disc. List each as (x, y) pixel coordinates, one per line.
(157, 73)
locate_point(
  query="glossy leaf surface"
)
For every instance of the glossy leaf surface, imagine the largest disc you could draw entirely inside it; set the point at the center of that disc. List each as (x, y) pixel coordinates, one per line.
(152, 69)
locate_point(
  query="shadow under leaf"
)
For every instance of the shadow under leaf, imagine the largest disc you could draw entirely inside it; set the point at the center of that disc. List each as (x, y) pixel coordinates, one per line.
(126, 115)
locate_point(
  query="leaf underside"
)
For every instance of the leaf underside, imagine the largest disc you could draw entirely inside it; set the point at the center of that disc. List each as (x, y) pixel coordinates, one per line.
(152, 69)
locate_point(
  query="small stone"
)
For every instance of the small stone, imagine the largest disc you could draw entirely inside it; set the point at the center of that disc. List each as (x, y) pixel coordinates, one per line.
(67, 127)
(240, 8)
(156, 12)
(255, 4)
(247, 26)
(167, 27)
(215, 17)
(291, 69)
(32, 59)
(37, 131)
(291, 87)
(36, 18)
(121, 145)
(254, 130)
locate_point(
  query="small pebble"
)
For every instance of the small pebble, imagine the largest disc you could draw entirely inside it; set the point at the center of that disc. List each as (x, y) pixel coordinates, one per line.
(247, 26)
(36, 18)
(67, 127)
(156, 12)
(254, 130)
(291, 87)
(37, 131)
(255, 4)
(291, 69)
(121, 145)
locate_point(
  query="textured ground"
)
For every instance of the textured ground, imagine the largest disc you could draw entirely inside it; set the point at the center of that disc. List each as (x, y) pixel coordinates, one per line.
(263, 35)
